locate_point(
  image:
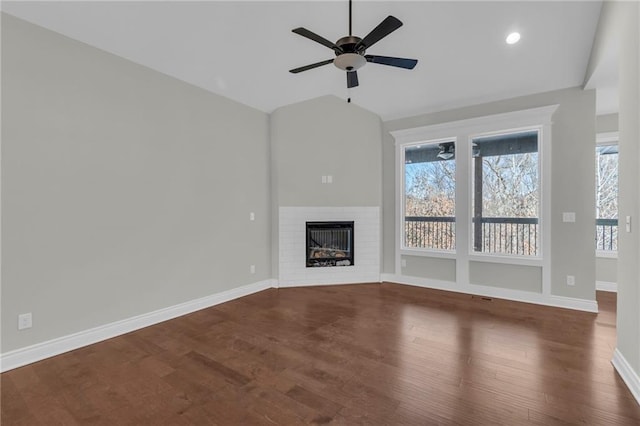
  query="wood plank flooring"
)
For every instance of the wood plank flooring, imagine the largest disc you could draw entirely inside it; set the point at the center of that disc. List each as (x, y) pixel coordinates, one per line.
(352, 354)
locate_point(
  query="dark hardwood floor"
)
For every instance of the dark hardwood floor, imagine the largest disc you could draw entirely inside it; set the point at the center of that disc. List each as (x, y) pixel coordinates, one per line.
(354, 354)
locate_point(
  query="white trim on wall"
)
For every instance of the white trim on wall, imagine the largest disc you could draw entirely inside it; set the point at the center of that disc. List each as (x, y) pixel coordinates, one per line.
(30, 354)
(40, 351)
(462, 131)
(497, 292)
(607, 286)
(607, 138)
(604, 254)
(629, 376)
(506, 120)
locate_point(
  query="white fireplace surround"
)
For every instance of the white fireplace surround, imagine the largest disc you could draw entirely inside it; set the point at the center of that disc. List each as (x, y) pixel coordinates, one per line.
(293, 271)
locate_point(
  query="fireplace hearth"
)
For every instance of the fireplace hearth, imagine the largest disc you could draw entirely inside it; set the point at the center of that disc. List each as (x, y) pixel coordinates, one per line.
(329, 244)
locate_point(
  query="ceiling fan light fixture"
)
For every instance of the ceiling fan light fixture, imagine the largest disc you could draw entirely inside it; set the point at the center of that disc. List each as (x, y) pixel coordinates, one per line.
(349, 61)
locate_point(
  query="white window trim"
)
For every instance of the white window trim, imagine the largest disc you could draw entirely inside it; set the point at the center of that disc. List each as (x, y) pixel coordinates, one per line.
(464, 130)
(603, 139)
(428, 252)
(607, 254)
(607, 138)
(412, 251)
(505, 257)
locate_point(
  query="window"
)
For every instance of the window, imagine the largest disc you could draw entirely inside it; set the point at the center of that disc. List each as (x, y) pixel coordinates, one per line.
(506, 194)
(607, 196)
(476, 190)
(429, 196)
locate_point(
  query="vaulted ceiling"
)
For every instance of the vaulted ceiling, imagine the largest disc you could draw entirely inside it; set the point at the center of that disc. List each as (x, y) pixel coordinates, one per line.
(243, 50)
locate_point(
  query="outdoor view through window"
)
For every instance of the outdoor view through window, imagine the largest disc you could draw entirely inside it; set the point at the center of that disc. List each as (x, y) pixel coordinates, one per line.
(607, 197)
(430, 196)
(505, 194)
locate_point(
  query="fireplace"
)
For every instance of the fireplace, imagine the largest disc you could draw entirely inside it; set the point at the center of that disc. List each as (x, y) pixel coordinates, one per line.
(329, 244)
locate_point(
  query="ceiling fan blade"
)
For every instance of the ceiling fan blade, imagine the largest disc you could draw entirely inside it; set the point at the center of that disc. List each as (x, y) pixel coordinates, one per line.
(394, 62)
(352, 79)
(384, 28)
(318, 39)
(311, 66)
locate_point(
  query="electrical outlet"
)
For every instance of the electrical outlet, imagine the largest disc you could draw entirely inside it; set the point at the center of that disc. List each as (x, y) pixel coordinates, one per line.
(568, 217)
(252, 269)
(25, 321)
(571, 280)
(252, 216)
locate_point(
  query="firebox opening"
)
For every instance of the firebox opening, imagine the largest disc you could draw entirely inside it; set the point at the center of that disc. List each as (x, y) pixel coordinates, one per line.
(329, 244)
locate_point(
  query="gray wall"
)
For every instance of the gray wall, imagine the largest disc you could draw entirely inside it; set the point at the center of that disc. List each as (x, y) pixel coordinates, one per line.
(629, 191)
(123, 190)
(434, 268)
(618, 31)
(607, 123)
(607, 269)
(326, 136)
(518, 277)
(573, 175)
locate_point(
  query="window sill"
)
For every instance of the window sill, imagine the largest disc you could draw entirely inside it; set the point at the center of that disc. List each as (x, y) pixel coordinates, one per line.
(606, 254)
(510, 260)
(429, 253)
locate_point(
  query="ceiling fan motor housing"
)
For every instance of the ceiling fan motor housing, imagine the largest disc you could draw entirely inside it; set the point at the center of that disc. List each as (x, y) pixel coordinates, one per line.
(348, 44)
(352, 58)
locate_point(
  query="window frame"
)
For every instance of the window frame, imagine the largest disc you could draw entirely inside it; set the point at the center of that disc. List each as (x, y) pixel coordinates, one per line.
(505, 256)
(423, 251)
(604, 139)
(462, 131)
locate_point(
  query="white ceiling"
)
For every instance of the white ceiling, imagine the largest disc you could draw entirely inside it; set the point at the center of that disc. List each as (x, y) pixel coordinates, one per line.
(243, 50)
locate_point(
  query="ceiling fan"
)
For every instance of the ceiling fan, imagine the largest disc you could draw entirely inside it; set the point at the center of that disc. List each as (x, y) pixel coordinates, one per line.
(350, 50)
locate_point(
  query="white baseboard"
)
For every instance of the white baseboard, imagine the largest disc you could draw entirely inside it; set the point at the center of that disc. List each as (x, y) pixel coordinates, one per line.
(361, 279)
(40, 351)
(629, 376)
(607, 286)
(27, 355)
(500, 293)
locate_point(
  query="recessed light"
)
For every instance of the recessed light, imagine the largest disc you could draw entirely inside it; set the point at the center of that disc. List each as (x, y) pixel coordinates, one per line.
(513, 38)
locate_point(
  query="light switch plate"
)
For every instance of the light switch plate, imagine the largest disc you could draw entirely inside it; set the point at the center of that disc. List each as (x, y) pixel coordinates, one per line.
(568, 217)
(25, 321)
